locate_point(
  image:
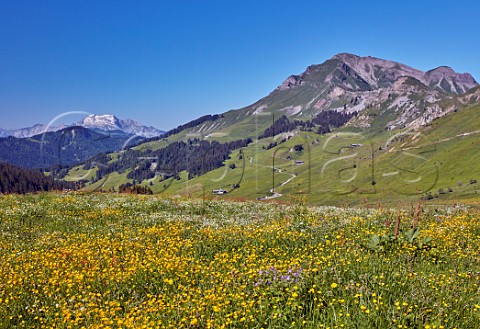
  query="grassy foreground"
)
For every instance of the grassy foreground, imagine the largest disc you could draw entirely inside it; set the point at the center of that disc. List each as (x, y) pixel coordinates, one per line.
(116, 261)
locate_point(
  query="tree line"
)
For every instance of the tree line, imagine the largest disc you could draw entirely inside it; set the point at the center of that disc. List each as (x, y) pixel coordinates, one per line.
(323, 122)
(134, 189)
(187, 125)
(18, 180)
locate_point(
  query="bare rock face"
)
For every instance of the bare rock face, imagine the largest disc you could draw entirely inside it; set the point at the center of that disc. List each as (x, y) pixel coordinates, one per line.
(471, 97)
(407, 97)
(110, 122)
(290, 82)
(103, 121)
(446, 79)
(378, 72)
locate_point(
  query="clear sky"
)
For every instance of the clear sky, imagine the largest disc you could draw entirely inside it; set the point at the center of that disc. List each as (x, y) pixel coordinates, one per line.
(164, 63)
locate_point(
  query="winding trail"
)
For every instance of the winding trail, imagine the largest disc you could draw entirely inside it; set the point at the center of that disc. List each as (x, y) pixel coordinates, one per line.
(272, 190)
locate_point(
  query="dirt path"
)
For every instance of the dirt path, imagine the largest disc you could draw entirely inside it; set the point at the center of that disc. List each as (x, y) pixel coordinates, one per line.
(275, 194)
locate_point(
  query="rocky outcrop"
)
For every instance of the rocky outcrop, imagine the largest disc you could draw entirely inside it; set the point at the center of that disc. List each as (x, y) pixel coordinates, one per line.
(374, 87)
(290, 82)
(446, 79)
(379, 73)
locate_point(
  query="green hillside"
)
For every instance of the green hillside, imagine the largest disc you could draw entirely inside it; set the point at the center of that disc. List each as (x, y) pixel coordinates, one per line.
(404, 166)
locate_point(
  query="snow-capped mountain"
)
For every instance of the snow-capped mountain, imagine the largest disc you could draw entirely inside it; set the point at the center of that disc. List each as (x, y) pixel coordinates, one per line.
(110, 122)
(104, 122)
(4, 133)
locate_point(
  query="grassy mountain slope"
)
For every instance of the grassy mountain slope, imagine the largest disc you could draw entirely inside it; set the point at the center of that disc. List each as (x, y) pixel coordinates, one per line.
(406, 166)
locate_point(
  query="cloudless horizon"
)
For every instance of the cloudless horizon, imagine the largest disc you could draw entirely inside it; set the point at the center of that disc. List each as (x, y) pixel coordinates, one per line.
(164, 63)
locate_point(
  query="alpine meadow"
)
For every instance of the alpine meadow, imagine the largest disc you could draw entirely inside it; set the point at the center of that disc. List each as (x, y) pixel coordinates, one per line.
(346, 198)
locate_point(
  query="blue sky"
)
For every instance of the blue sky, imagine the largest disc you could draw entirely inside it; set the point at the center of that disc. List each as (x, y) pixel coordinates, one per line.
(164, 63)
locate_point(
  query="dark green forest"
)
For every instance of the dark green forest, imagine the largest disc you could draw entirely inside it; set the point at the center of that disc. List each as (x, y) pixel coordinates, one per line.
(18, 180)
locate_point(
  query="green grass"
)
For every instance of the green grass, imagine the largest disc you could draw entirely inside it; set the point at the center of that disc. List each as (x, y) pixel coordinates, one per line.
(109, 182)
(124, 261)
(78, 173)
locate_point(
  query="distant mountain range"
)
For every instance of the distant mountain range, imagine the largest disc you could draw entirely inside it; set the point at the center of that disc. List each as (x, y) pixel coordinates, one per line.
(36, 129)
(63, 147)
(108, 122)
(100, 123)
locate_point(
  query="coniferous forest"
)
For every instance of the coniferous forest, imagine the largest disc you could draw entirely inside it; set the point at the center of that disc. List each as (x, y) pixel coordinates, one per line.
(18, 180)
(323, 122)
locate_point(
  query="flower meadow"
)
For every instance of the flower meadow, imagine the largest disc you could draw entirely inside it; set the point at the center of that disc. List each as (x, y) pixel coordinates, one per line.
(123, 261)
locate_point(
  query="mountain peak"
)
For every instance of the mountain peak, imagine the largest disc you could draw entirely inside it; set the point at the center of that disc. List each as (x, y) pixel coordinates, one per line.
(379, 73)
(111, 122)
(355, 60)
(446, 78)
(366, 85)
(344, 56)
(102, 121)
(446, 70)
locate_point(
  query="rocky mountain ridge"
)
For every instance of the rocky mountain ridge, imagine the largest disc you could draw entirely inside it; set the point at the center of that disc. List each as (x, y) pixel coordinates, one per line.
(387, 95)
(405, 96)
(110, 122)
(379, 73)
(101, 123)
(29, 131)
